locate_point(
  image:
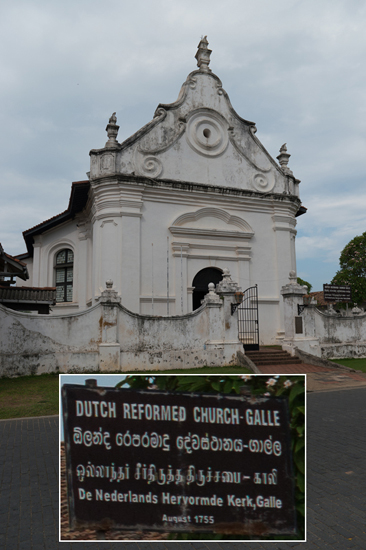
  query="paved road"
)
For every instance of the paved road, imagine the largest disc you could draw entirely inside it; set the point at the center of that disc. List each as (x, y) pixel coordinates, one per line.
(29, 465)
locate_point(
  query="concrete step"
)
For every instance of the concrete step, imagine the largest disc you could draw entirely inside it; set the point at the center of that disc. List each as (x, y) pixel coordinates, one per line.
(272, 357)
(276, 362)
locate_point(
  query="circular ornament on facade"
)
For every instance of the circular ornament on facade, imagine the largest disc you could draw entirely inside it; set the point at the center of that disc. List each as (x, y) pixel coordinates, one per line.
(151, 166)
(263, 182)
(207, 134)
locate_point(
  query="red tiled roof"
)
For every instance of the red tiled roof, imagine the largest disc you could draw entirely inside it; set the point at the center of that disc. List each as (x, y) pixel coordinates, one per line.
(12, 267)
(319, 296)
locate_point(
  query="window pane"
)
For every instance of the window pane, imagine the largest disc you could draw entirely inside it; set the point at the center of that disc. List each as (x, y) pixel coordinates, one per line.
(69, 293)
(70, 256)
(60, 275)
(69, 274)
(59, 294)
(61, 257)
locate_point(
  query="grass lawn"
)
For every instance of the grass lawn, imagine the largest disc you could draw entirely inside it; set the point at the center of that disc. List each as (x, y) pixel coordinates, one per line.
(203, 370)
(29, 396)
(38, 395)
(358, 364)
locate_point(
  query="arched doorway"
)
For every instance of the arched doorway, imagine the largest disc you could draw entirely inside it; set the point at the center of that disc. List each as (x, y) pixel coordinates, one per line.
(201, 282)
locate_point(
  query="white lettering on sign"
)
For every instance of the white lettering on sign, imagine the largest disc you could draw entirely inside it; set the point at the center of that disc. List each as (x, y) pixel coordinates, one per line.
(142, 411)
(213, 415)
(185, 500)
(262, 418)
(116, 496)
(96, 408)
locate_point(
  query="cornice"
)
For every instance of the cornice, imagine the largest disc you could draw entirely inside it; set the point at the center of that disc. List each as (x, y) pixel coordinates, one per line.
(178, 185)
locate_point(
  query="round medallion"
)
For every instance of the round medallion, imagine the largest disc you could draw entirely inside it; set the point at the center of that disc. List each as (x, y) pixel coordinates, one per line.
(151, 166)
(206, 133)
(263, 182)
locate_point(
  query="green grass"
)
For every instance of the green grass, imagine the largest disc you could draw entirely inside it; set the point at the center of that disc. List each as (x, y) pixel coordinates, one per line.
(29, 396)
(202, 370)
(357, 364)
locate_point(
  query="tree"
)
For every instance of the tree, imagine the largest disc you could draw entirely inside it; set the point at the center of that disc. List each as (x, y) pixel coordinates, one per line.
(304, 283)
(352, 271)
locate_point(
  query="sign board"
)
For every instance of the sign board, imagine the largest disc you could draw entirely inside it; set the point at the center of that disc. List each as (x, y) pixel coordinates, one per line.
(178, 461)
(337, 293)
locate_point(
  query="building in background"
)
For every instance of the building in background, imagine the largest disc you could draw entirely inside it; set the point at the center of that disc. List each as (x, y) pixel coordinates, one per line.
(163, 213)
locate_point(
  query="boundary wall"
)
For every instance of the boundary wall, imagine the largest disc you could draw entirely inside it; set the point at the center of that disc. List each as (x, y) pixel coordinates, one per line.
(108, 337)
(323, 334)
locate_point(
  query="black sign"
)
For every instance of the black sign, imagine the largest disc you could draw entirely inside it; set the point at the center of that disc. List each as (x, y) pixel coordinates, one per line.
(178, 461)
(337, 293)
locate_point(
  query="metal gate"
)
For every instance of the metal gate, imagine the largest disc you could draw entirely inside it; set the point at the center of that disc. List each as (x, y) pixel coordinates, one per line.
(248, 319)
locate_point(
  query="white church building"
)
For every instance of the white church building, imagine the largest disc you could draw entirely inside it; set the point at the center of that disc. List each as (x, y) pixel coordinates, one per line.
(165, 212)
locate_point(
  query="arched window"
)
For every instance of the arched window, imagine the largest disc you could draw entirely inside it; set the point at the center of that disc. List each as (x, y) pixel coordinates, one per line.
(201, 282)
(64, 268)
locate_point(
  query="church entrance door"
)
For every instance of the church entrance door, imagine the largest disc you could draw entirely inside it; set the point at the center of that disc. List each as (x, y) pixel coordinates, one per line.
(201, 281)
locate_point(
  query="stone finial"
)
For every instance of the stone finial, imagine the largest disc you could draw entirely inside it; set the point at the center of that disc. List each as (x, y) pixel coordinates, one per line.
(356, 310)
(211, 297)
(203, 55)
(283, 159)
(113, 119)
(112, 131)
(110, 296)
(227, 284)
(293, 287)
(211, 289)
(330, 310)
(293, 278)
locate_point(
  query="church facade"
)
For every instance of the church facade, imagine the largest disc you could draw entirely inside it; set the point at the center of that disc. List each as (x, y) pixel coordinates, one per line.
(165, 212)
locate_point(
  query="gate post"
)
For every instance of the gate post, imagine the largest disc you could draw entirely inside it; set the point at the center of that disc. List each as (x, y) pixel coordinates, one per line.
(109, 349)
(293, 294)
(227, 289)
(223, 343)
(298, 334)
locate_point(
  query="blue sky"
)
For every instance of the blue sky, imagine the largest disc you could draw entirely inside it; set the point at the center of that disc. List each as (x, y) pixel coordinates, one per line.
(295, 68)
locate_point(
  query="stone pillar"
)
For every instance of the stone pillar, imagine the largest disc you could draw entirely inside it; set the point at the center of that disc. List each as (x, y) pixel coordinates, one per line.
(293, 294)
(36, 276)
(109, 349)
(180, 253)
(81, 269)
(224, 337)
(297, 333)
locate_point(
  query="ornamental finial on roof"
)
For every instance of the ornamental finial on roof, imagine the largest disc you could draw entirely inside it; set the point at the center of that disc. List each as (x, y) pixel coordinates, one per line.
(112, 131)
(283, 159)
(203, 55)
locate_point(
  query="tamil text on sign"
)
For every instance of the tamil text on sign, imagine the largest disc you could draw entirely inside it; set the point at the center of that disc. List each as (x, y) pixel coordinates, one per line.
(175, 461)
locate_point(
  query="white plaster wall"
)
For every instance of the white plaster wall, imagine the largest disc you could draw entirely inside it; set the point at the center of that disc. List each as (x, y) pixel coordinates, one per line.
(174, 146)
(329, 336)
(34, 344)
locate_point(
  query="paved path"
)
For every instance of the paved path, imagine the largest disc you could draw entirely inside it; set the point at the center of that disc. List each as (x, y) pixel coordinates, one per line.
(295, 368)
(29, 465)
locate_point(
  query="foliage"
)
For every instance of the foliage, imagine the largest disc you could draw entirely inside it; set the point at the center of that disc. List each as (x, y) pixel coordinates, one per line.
(304, 283)
(291, 387)
(352, 271)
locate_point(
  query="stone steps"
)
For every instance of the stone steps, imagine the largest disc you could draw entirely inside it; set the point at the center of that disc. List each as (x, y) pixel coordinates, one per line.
(272, 357)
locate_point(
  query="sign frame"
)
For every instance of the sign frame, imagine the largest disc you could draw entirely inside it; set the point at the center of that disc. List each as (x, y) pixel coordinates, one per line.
(337, 293)
(252, 526)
